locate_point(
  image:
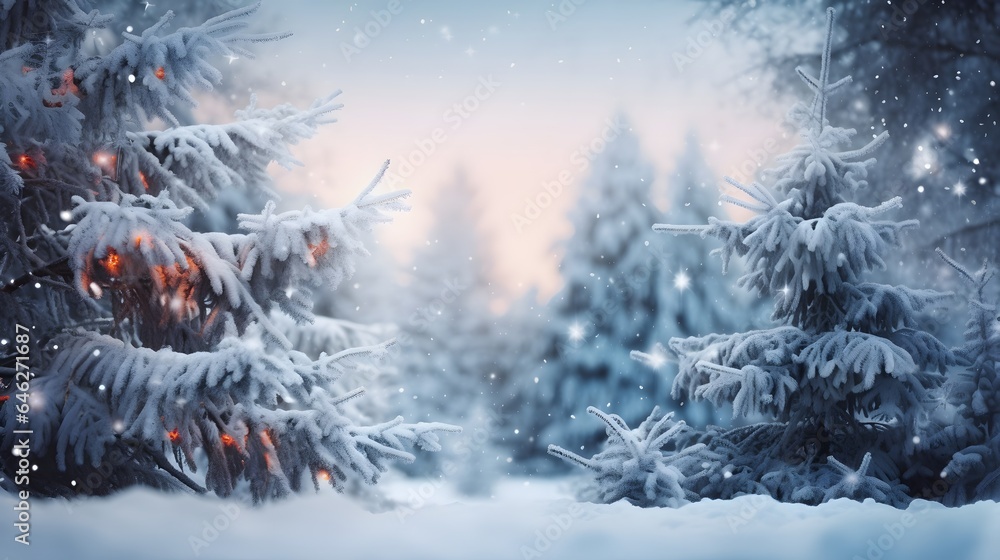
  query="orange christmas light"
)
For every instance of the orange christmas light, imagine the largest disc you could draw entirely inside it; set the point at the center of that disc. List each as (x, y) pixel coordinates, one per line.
(68, 84)
(174, 435)
(227, 440)
(322, 475)
(145, 182)
(112, 263)
(317, 250)
(160, 73)
(162, 273)
(108, 164)
(104, 159)
(26, 162)
(177, 287)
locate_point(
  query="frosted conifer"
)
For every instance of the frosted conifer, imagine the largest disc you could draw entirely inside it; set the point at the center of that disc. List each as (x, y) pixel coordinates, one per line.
(155, 348)
(845, 375)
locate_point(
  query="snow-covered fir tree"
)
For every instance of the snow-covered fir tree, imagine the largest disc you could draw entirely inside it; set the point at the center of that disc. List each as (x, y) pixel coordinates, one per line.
(516, 344)
(966, 439)
(516, 351)
(844, 376)
(445, 324)
(140, 14)
(697, 299)
(445, 320)
(635, 466)
(606, 308)
(941, 157)
(154, 348)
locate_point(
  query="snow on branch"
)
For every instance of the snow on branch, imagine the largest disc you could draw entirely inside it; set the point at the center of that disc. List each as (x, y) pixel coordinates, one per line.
(164, 272)
(877, 307)
(306, 249)
(677, 229)
(792, 256)
(141, 242)
(272, 415)
(655, 359)
(854, 359)
(752, 390)
(634, 466)
(978, 279)
(755, 191)
(859, 485)
(867, 150)
(31, 111)
(165, 70)
(195, 163)
(10, 182)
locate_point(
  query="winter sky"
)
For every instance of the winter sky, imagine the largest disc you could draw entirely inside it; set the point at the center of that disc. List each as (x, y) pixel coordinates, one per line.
(508, 91)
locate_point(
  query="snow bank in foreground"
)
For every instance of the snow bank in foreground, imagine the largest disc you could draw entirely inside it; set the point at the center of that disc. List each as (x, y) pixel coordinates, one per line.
(513, 525)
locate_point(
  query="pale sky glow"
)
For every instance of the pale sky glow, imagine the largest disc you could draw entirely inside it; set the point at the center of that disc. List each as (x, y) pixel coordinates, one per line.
(494, 89)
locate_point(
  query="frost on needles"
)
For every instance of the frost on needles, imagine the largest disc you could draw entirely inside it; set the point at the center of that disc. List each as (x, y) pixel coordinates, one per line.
(846, 376)
(162, 355)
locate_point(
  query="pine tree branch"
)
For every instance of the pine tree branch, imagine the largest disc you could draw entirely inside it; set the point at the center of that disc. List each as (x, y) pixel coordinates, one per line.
(58, 268)
(162, 462)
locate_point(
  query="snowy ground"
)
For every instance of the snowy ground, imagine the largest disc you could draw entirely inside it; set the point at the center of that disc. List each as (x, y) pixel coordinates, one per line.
(538, 520)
